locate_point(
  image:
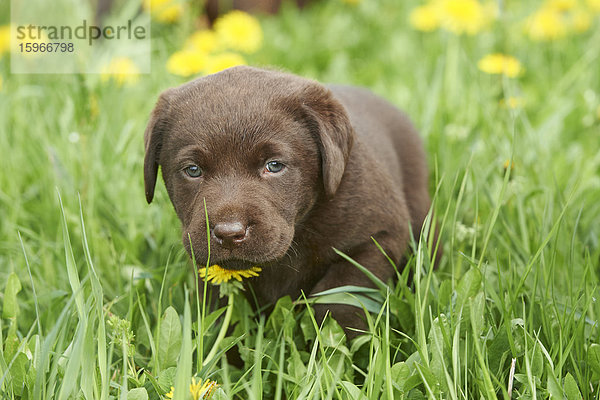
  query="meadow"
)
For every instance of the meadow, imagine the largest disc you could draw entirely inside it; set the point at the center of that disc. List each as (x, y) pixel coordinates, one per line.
(99, 298)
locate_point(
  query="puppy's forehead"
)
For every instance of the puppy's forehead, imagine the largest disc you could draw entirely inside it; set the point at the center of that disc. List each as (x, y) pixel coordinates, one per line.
(238, 108)
(237, 125)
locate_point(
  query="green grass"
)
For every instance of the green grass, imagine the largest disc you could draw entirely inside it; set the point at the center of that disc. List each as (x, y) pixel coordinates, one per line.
(99, 298)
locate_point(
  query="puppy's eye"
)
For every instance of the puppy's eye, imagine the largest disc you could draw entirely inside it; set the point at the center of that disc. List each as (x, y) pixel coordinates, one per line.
(274, 167)
(193, 171)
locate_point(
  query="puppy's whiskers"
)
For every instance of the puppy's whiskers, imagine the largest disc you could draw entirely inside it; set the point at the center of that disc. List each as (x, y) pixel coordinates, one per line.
(289, 266)
(294, 248)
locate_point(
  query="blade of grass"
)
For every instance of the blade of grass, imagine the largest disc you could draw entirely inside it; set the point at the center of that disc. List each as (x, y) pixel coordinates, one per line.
(184, 366)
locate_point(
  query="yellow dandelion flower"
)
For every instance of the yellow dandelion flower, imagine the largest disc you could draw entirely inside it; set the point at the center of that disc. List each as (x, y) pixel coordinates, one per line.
(580, 20)
(198, 390)
(508, 164)
(122, 70)
(203, 41)
(464, 16)
(204, 389)
(425, 18)
(186, 63)
(219, 62)
(238, 30)
(166, 11)
(500, 64)
(594, 5)
(512, 102)
(546, 24)
(561, 5)
(4, 39)
(217, 274)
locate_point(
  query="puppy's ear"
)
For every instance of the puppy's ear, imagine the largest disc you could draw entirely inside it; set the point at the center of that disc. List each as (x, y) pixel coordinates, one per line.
(330, 124)
(153, 137)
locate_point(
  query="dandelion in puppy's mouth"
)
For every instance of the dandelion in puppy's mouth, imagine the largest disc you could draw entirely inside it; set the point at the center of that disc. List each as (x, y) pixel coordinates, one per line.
(217, 274)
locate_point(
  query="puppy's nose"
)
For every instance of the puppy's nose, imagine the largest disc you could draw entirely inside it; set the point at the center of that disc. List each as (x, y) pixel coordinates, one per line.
(230, 233)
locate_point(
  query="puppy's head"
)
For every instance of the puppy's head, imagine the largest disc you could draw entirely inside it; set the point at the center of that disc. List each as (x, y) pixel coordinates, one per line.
(255, 149)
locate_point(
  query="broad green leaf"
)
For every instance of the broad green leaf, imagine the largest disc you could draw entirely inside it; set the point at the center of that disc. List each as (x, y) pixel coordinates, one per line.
(355, 300)
(30, 379)
(10, 308)
(166, 378)
(12, 342)
(400, 373)
(437, 369)
(18, 372)
(413, 359)
(468, 286)
(137, 394)
(219, 394)
(477, 313)
(518, 335)
(571, 388)
(351, 392)
(332, 335)
(416, 395)
(412, 382)
(210, 319)
(169, 339)
(537, 361)
(553, 386)
(307, 327)
(295, 367)
(428, 377)
(498, 349)
(444, 295)
(404, 312)
(594, 358)
(280, 314)
(402, 378)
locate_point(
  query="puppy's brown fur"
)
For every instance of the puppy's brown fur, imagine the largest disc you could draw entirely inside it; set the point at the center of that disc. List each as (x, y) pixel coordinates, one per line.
(354, 168)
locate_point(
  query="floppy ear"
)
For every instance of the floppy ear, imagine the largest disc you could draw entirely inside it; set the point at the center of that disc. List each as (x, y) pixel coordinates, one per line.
(334, 134)
(153, 137)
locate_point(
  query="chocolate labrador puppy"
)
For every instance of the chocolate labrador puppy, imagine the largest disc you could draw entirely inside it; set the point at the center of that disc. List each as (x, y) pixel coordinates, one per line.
(289, 169)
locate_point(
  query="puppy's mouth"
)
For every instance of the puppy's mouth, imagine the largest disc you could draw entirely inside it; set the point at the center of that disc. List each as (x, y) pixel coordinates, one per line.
(236, 264)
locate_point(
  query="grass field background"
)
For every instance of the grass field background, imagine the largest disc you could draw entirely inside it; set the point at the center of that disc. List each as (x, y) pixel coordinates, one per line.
(99, 297)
